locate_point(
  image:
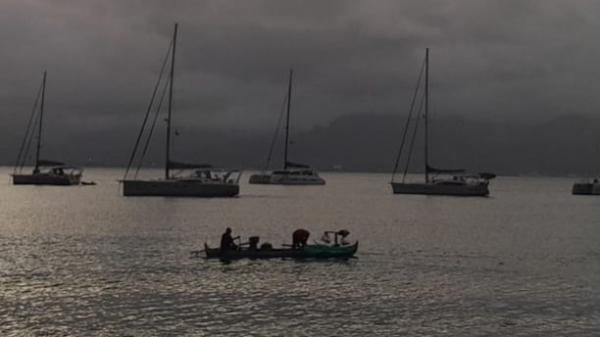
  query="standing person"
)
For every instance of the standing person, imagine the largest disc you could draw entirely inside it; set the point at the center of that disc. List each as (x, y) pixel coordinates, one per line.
(227, 240)
(300, 238)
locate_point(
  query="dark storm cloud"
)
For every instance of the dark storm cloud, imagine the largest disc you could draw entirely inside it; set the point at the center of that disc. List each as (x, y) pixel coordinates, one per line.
(493, 60)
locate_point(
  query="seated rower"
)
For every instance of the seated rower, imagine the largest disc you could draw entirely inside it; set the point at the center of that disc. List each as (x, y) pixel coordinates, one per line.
(227, 240)
(300, 238)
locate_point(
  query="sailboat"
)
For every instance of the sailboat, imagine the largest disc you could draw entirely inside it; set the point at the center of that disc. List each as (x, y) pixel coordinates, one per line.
(178, 181)
(291, 173)
(587, 187)
(45, 172)
(454, 182)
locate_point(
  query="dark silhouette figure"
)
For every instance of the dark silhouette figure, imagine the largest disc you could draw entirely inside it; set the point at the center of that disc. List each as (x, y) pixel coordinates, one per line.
(253, 242)
(227, 240)
(300, 238)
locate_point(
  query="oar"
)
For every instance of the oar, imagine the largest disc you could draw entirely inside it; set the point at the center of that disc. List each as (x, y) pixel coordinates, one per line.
(240, 243)
(196, 253)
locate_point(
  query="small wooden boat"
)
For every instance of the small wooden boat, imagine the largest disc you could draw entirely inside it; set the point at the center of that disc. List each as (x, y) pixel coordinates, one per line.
(316, 251)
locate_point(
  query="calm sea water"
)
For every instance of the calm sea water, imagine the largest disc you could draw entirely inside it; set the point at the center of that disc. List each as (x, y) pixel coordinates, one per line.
(85, 261)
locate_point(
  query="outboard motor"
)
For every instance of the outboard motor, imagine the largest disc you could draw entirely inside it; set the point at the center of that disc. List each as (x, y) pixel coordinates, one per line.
(253, 242)
(338, 237)
(343, 234)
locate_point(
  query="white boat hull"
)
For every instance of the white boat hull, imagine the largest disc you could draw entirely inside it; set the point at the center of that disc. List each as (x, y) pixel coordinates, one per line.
(586, 189)
(475, 190)
(179, 188)
(46, 179)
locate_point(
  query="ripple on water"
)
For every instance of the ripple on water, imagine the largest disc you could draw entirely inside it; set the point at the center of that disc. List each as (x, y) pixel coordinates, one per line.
(426, 266)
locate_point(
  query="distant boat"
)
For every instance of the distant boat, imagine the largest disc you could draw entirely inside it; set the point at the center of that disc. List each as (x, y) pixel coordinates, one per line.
(45, 172)
(589, 187)
(454, 182)
(202, 181)
(291, 173)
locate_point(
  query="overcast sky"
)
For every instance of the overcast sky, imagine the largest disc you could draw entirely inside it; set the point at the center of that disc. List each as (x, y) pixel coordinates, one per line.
(498, 60)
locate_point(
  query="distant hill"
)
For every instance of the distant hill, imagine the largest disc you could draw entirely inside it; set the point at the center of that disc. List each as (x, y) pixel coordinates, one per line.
(360, 142)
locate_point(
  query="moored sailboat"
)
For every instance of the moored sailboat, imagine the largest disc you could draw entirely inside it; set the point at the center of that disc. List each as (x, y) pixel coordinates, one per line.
(454, 182)
(586, 187)
(181, 179)
(292, 173)
(45, 172)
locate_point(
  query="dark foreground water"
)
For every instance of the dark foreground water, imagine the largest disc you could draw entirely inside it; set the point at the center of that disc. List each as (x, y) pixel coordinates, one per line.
(84, 261)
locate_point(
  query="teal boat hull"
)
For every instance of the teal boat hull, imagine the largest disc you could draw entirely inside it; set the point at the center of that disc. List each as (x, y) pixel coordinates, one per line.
(308, 252)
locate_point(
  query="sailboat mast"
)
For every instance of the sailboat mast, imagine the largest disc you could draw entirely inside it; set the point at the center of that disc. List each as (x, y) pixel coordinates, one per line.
(287, 120)
(39, 137)
(171, 76)
(426, 115)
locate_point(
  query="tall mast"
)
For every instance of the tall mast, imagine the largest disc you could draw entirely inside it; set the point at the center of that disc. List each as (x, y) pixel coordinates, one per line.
(171, 76)
(287, 121)
(426, 116)
(39, 137)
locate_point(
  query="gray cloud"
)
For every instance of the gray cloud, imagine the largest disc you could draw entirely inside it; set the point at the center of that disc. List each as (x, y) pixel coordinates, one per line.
(492, 60)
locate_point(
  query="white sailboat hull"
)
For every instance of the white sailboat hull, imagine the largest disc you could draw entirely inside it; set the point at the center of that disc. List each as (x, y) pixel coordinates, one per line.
(586, 189)
(466, 190)
(46, 179)
(179, 188)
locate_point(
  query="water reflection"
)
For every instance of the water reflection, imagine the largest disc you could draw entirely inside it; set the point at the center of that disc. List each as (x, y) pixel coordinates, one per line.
(92, 263)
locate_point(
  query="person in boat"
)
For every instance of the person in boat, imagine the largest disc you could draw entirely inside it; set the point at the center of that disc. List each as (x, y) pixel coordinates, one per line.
(227, 241)
(300, 238)
(253, 242)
